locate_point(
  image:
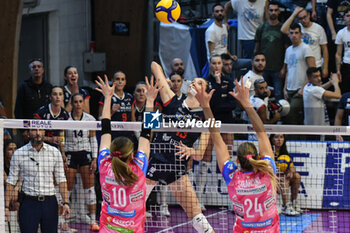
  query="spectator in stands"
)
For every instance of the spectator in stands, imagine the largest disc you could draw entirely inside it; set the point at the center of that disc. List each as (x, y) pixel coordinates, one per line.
(319, 12)
(37, 164)
(342, 116)
(238, 65)
(258, 67)
(33, 93)
(343, 62)
(273, 43)
(121, 104)
(178, 67)
(336, 15)
(71, 77)
(260, 102)
(176, 86)
(297, 59)
(335, 19)
(315, 110)
(250, 15)
(313, 35)
(138, 106)
(9, 148)
(290, 179)
(222, 105)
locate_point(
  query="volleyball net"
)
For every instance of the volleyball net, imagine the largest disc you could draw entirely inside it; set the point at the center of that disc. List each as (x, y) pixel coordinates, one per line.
(321, 162)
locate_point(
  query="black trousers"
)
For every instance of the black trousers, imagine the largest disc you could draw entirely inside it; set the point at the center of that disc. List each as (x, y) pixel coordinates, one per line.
(345, 73)
(34, 212)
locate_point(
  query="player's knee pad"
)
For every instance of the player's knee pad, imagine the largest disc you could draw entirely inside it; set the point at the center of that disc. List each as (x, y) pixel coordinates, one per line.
(201, 224)
(90, 196)
(203, 168)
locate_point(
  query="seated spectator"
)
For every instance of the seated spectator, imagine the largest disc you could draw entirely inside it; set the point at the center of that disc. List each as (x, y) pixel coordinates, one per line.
(290, 179)
(260, 102)
(258, 67)
(315, 111)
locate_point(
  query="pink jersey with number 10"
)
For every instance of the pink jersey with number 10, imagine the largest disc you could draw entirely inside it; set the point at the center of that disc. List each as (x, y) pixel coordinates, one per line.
(253, 198)
(123, 207)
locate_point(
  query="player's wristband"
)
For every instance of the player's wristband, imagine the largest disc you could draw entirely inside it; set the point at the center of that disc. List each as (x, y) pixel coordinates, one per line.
(106, 126)
(146, 133)
(65, 203)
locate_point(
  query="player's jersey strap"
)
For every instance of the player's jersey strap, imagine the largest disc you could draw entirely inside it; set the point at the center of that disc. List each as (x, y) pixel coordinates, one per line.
(141, 161)
(103, 155)
(228, 171)
(272, 162)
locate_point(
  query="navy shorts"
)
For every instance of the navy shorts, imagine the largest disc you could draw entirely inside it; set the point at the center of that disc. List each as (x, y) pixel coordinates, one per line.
(166, 173)
(78, 159)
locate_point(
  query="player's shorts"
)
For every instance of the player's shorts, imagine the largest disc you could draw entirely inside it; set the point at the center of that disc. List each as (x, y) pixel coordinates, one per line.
(78, 159)
(166, 173)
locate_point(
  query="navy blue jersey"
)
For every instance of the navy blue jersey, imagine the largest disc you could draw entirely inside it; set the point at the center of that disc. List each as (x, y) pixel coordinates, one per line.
(138, 112)
(222, 103)
(45, 113)
(67, 94)
(120, 107)
(175, 110)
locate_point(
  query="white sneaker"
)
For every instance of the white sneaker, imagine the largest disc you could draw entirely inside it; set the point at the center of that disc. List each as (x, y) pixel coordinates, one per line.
(164, 211)
(289, 210)
(297, 207)
(148, 214)
(83, 218)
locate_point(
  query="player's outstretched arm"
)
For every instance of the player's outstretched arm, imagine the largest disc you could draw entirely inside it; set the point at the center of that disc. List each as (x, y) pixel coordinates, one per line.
(165, 93)
(203, 98)
(151, 92)
(107, 92)
(242, 95)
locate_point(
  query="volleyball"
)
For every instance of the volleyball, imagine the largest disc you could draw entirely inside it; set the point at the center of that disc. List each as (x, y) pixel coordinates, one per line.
(168, 11)
(284, 163)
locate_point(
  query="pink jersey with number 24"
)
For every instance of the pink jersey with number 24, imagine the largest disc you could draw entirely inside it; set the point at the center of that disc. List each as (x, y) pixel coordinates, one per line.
(253, 198)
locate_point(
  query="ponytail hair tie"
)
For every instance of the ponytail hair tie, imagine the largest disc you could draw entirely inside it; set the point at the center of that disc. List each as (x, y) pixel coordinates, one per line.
(117, 154)
(249, 157)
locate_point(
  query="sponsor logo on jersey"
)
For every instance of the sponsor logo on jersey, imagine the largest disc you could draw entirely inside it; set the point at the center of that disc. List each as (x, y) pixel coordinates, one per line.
(238, 207)
(106, 196)
(136, 196)
(125, 214)
(128, 223)
(250, 191)
(269, 202)
(257, 224)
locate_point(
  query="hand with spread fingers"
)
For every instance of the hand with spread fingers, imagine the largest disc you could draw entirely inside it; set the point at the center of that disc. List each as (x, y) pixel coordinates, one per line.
(185, 151)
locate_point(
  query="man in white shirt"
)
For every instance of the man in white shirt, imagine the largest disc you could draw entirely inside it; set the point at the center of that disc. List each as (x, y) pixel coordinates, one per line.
(216, 34)
(250, 15)
(37, 164)
(315, 111)
(258, 66)
(297, 59)
(313, 35)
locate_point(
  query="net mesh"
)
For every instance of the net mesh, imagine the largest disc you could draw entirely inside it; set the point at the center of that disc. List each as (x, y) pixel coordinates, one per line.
(316, 198)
